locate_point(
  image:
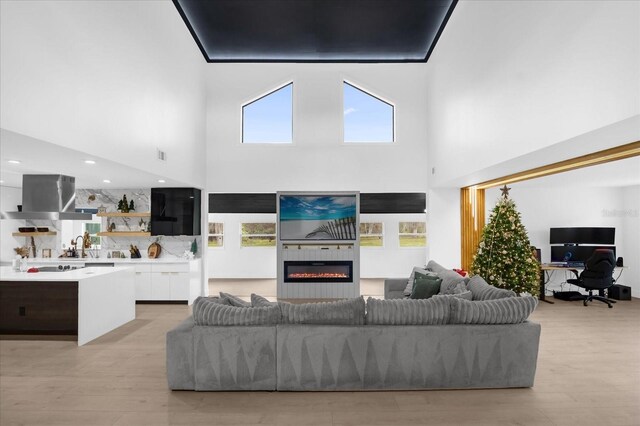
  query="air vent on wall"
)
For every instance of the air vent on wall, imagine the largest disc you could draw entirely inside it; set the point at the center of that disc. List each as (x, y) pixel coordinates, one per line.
(162, 155)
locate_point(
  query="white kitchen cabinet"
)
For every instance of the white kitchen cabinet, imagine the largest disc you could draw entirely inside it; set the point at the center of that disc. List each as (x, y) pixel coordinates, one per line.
(143, 282)
(161, 286)
(169, 281)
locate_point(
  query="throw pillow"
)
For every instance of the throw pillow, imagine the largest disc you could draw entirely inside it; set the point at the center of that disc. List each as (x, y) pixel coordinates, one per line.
(435, 266)
(510, 310)
(467, 295)
(201, 300)
(425, 286)
(452, 282)
(257, 300)
(409, 287)
(207, 312)
(482, 290)
(341, 312)
(434, 311)
(235, 300)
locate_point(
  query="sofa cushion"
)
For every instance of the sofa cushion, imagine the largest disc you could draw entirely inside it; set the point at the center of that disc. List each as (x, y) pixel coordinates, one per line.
(203, 300)
(234, 300)
(257, 301)
(425, 286)
(412, 277)
(435, 266)
(482, 290)
(510, 310)
(341, 312)
(467, 295)
(408, 311)
(213, 313)
(452, 282)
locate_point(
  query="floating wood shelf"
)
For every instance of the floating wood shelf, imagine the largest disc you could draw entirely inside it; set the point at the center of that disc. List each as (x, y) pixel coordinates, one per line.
(33, 234)
(120, 214)
(124, 234)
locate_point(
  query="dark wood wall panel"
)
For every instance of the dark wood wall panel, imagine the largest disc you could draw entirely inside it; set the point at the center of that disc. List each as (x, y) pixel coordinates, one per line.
(393, 202)
(378, 203)
(242, 203)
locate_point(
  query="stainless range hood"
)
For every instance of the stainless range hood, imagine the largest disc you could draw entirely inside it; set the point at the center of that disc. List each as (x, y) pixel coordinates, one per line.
(49, 197)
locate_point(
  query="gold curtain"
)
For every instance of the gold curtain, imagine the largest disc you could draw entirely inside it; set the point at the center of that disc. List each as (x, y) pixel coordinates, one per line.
(471, 222)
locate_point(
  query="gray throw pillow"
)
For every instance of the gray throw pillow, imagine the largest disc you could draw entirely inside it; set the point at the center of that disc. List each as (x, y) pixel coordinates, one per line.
(218, 314)
(452, 282)
(235, 300)
(435, 266)
(257, 300)
(482, 290)
(433, 311)
(341, 312)
(510, 310)
(467, 295)
(201, 300)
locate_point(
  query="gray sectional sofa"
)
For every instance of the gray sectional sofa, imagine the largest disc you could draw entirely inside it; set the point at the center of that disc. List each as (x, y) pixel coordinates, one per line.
(445, 342)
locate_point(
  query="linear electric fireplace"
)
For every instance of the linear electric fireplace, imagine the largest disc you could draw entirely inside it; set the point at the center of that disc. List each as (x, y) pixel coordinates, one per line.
(326, 271)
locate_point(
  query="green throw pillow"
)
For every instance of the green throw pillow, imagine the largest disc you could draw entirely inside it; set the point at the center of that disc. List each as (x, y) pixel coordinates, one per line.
(425, 286)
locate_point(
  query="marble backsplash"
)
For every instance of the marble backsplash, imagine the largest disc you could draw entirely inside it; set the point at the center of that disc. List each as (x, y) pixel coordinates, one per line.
(172, 246)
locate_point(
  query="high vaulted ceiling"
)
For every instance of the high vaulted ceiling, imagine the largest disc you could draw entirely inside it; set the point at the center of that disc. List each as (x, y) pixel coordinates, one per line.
(316, 30)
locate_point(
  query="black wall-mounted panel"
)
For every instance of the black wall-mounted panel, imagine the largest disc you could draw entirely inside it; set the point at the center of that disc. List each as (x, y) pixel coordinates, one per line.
(393, 203)
(175, 211)
(242, 203)
(370, 203)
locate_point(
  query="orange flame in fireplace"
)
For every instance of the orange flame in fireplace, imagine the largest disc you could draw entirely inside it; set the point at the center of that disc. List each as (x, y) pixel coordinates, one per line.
(309, 275)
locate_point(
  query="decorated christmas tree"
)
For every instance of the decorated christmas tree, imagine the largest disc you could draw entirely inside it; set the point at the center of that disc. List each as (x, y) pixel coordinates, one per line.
(505, 257)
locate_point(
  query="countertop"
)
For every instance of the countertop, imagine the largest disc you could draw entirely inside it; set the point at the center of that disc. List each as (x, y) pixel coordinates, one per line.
(58, 260)
(8, 274)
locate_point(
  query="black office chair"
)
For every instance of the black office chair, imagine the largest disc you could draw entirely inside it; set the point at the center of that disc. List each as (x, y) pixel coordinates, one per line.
(597, 275)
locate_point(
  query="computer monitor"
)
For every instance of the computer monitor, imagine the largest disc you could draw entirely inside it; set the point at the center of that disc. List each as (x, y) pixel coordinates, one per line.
(575, 253)
(582, 235)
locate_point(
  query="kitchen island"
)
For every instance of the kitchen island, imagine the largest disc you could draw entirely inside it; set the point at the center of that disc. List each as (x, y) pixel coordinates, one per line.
(86, 302)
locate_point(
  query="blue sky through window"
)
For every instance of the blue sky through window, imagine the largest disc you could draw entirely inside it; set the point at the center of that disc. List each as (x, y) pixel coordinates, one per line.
(366, 118)
(270, 118)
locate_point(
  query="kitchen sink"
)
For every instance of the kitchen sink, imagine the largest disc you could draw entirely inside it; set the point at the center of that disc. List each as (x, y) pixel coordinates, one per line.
(59, 268)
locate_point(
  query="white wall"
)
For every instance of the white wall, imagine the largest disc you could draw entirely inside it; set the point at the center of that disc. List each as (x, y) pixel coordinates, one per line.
(630, 251)
(318, 159)
(116, 79)
(510, 77)
(391, 261)
(443, 227)
(233, 261)
(542, 208)
(9, 199)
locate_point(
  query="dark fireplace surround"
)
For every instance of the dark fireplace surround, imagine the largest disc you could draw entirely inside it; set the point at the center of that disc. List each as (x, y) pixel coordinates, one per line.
(318, 271)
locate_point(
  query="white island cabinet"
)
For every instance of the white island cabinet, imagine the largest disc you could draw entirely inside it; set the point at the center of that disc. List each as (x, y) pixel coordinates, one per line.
(155, 280)
(88, 302)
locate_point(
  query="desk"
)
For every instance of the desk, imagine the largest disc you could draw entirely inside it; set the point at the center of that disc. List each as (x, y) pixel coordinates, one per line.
(548, 267)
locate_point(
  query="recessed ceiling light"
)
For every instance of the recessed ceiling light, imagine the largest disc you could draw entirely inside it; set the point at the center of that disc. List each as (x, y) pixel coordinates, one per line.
(13, 161)
(1, 181)
(106, 181)
(89, 162)
(161, 181)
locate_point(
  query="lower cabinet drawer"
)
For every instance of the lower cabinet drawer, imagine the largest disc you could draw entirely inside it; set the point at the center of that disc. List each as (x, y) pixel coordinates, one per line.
(170, 267)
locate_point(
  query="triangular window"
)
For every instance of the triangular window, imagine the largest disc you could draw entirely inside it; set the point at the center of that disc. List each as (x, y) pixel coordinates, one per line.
(367, 118)
(269, 119)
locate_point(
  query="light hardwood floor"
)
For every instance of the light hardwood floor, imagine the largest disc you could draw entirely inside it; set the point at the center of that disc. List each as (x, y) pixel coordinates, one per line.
(588, 374)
